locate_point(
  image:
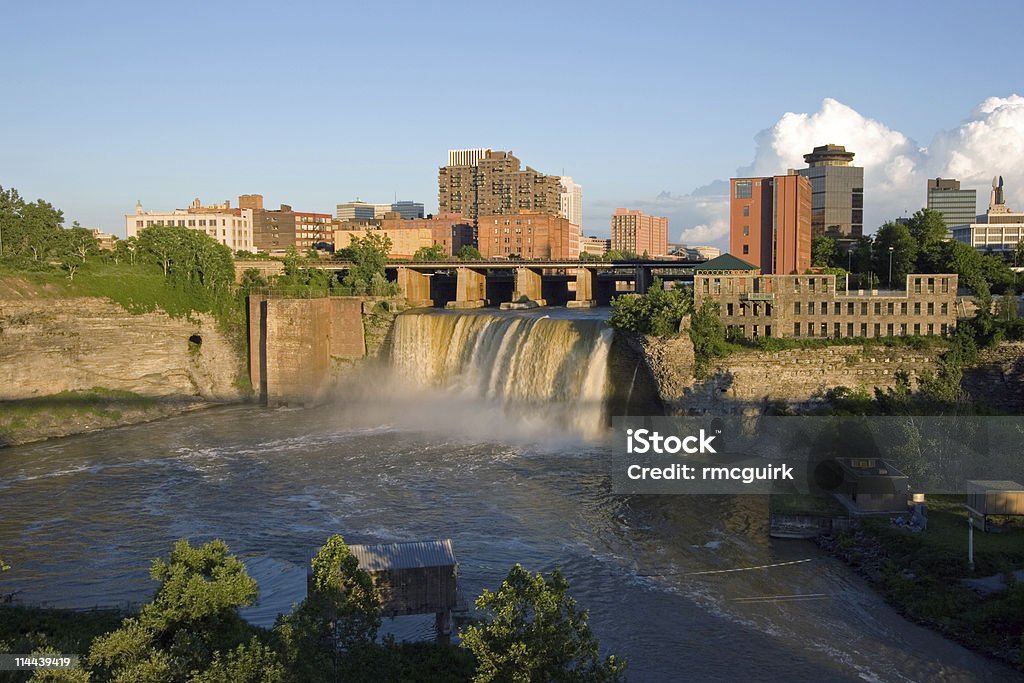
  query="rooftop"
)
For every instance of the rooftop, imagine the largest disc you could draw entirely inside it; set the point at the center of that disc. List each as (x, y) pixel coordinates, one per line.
(413, 555)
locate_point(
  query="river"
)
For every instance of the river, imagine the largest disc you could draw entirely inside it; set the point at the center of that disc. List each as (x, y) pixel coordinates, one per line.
(401, 458)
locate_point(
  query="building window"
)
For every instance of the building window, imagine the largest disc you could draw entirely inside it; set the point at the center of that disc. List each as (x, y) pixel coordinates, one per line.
(744, 189)
(892, 309)
(864, 308)
(878, 329)
(863, 329)
(878, 308)
(746, 249)
(903, 308)
(917, 329)
(849, 311)
(746, 230)
(796, 329)
(944, 309)
(917, 308)
(810, 308)
(796, 308)
(837, 309)
(849, 329)
(836, 330)
(746, 210)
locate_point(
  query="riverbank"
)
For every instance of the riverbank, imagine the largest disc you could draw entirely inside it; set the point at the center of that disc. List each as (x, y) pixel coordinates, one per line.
(923, 576)
(77, 412)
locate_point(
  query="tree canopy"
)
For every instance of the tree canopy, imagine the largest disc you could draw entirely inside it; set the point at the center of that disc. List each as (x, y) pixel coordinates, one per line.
(536, 633)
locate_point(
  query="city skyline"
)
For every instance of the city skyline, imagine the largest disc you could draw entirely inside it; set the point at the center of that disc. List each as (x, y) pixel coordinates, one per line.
(123, 103)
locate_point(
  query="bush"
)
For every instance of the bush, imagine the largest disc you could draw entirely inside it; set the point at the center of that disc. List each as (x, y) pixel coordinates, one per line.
(656, 313)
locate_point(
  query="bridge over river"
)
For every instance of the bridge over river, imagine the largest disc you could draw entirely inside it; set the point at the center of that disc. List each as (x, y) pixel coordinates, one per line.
(475, 284)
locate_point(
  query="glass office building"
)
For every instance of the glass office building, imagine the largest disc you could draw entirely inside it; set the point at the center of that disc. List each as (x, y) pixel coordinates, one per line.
(837, 192)
(958, 207)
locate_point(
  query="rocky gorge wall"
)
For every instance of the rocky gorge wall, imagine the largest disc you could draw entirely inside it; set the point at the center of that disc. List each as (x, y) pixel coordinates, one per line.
(750, 381)
(49, 345)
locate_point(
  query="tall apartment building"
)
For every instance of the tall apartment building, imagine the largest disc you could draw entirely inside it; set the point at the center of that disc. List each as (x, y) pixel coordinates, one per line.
(231, 227)
(999, 230)
(570, 204)
(958, 207)
(496, 185)
(837, 192)
(639, 233)
(770, 223)
(277, 230)
(528, 235)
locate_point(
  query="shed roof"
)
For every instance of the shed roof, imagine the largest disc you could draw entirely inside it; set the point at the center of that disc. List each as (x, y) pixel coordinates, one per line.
(413, 555)
(996, 484)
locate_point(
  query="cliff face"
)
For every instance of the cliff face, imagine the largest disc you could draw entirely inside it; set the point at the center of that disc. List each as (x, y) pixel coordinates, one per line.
(49, 345)
(750, 381)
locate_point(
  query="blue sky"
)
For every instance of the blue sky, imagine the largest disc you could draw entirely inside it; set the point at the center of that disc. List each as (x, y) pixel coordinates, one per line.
(317, 103)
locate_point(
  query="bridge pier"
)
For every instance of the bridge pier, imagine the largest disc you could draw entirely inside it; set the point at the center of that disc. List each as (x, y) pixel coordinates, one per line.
(415, 287)
(584, 289)
(528, 285)
(470, 289)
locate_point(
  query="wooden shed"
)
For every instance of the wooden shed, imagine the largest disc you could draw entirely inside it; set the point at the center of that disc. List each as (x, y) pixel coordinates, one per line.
(873, 486)
(414, 578)
(993, 497)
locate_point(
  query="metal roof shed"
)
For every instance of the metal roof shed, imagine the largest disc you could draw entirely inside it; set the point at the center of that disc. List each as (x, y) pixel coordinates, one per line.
(414, 578)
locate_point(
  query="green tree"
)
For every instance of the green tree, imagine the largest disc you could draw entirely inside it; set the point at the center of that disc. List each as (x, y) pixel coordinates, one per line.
(369, 255)
(823, 251)
(903, 255)
(928, 229)
(340, 615)
(657, 313)
(536, 633)
(435, 252)
(707, 332)
(469, 253)
(191, 622)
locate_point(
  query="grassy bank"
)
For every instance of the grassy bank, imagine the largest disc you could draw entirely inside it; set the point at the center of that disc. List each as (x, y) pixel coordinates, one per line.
(73, 412)
(922, 575)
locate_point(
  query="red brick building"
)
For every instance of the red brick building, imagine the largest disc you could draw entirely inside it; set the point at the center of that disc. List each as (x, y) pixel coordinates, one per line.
(528, 235)
(770, 223)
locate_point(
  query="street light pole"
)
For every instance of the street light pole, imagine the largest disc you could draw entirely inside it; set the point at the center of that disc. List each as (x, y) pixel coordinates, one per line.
(890, 266)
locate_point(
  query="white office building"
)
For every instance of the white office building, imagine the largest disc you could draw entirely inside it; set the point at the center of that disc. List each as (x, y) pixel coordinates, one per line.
(230, 227)
(571, 201)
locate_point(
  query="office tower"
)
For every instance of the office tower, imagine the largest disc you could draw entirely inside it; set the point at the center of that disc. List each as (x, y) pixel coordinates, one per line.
(571, 200)
(999, 230)
(355, 211)
(837, 192)
(408, 210)
(958, 207)
(634, 231)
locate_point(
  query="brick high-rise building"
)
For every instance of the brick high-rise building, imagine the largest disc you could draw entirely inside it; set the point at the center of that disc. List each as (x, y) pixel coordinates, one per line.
(634, 231)
(528, 235)
(770, 223)
(494, 184)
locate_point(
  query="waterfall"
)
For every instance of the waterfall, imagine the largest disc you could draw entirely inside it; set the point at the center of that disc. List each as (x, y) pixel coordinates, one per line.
(531, 366)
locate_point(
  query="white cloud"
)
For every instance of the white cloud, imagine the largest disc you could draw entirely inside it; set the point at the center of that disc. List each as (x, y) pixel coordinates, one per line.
(990, 142)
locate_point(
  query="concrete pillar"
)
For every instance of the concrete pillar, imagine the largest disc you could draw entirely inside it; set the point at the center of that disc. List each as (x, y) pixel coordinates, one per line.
(527, 284)
(415, 287)
(584, 289)
(643, 279)
(297, 350)
(470, 289)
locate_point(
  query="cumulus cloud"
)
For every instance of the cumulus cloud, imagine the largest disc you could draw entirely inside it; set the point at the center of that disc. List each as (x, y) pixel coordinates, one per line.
(989, 142)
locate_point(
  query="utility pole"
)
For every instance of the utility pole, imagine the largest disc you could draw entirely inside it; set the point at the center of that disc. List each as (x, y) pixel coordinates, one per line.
(890, 266)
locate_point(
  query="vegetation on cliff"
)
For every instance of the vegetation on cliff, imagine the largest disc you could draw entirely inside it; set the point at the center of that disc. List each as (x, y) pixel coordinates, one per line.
(192, 631)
